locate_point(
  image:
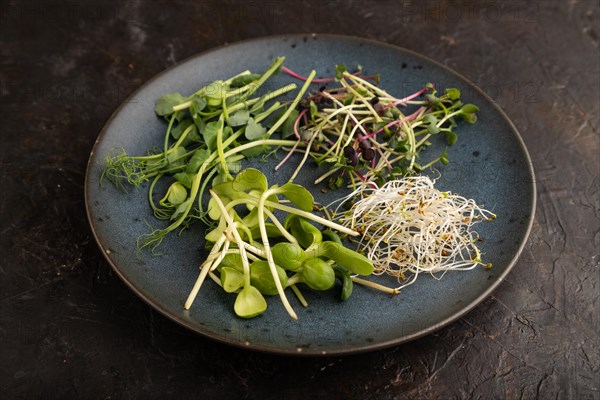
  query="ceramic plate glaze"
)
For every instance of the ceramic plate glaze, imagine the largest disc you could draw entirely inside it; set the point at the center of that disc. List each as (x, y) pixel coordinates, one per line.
(489, 163)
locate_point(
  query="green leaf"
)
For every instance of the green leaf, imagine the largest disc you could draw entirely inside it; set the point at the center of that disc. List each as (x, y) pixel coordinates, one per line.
(199, 122)
(210, 134)
(239, 118)
(313, 109)
(432, 129)
(192, 137)
(347, 284)
(272, 230)
(289, 256)
(298, 195)
(232, 260)
(430, 119)
(469, 109)
(254, 130)
(317, 274)
(198, 104)
(328, 234)
(451, 137)
(244, 80)
(250, 179)
(175, 157)
(262, 278)
(349, 259)
(184, 178)
(249, 303)
(197, 159)
(452, 93)
(176, 194)
(231, 279)
(255, 151)
(305, 232)
(217, 232)
(339, 71)
(287, 128)
(164, 105)
(180, 127)
(182, 208)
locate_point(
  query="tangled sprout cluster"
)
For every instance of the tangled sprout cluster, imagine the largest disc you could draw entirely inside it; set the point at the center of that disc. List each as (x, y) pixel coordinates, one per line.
(409, 227)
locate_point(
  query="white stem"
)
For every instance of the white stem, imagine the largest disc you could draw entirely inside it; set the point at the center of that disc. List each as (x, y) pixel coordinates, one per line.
(265, 239)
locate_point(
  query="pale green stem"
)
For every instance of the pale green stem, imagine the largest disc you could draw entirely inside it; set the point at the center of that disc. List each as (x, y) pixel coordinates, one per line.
(265, 240)
(204, 270)
(236, 235)
(293, 104)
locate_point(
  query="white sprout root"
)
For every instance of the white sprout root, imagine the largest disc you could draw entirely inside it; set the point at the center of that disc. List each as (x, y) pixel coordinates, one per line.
(408, 227)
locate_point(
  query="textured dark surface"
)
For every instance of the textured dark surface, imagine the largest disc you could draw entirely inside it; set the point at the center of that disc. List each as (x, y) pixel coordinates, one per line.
(70, 328)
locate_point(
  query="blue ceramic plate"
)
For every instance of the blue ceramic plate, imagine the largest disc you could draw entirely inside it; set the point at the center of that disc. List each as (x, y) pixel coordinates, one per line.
(489, 163)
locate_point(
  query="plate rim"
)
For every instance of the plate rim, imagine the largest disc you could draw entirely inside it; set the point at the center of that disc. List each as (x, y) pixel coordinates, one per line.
(308, 352)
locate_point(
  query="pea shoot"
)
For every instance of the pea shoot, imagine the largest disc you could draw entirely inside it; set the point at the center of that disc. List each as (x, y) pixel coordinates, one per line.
(208, 134)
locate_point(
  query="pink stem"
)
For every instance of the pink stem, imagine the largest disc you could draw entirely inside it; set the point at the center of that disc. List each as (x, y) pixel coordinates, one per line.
(362, 178)
(402, 101)
(296, 123)
(303, 78)
(410, 117)
(297, 137)
(288, 156)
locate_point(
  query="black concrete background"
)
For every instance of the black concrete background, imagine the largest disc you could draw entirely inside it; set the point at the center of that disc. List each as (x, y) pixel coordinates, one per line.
(69, 328)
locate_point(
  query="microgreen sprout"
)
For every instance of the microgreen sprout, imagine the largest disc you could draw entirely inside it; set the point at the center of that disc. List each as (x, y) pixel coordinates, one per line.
(359, 132)
(409, 227)
(300, 248)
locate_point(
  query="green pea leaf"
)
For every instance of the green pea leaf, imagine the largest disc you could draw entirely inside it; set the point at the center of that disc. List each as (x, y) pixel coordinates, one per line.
(231, 279)
(349, 259)
(180, 127)
(182, 208)
(244, 80)
(176, 194)
(164, 105)
(255, 151)
(262, 278)
(185, 179)
(175, 157)
(254, 130)
(249, 303)
(198, 104)
(210, 134)
(287, 128)
(197, 159)
(289, 256)
(317, 274)
(239, 118)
